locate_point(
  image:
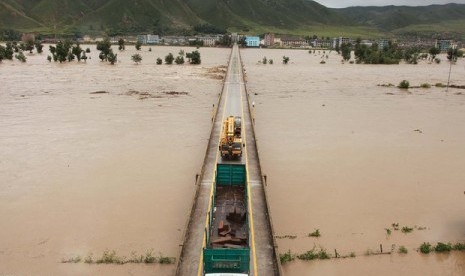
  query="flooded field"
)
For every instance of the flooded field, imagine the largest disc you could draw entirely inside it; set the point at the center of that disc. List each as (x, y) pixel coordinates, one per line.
(350, 158)
(98, 157)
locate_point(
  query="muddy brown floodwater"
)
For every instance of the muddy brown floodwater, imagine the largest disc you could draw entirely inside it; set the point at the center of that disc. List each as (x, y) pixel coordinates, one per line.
(350, 158)
(84, 172)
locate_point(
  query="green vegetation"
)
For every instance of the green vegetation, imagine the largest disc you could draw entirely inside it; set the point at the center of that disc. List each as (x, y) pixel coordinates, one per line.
(314, 254)
(194, 57)
(286, 257)
(407, 229)
(121, 45)
(112, 58)
(264, 60)
(270, 61)
(425, 85)
(159, 61)
(316, 233)
(136, 58)
(111, 257)
(179, 60)
(454, 54)
(21, 57)
(425, 248)
(104, 47)
(285, 60)
(169, 59)
(138, 45)
(388, 231)
(403, 85)
(403, 250)
(75, 260)
(286, 237)
(443, 247)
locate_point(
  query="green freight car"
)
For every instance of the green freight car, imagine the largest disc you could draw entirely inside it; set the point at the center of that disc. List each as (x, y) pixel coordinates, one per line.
(227, 248)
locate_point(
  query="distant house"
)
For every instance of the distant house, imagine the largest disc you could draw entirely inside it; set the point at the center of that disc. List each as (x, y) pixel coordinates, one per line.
(383, 43)
(153, 39)
(338, 41)
(444, 44)
(294, 42)
(252, 41)
(148, 39)
(209, 40)
(319, 43)
(269, 40)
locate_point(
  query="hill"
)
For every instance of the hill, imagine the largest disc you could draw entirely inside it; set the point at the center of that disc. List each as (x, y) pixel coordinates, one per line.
(247, 16)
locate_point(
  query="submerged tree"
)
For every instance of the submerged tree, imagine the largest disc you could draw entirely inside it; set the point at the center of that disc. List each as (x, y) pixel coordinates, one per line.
(169, 58)
(136, 58)
(121, 46)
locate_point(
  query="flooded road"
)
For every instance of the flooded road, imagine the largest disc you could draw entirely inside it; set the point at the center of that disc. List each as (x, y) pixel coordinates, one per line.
(98, 157)
(350, 158)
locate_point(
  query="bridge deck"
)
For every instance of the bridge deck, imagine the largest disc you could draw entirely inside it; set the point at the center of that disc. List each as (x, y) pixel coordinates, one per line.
(233, 102)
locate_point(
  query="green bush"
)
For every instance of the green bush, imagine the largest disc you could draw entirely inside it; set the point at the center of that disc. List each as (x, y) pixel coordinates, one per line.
(425, 248)
(404, 84)
(442, 247)
(403, 250)
(286, 257)
(425, 85)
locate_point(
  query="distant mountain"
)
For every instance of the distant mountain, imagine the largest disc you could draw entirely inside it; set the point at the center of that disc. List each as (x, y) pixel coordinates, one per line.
(253, 16)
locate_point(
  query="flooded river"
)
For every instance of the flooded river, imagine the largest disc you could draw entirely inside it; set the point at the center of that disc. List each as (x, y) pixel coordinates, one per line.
(98, 157)
(350, 158)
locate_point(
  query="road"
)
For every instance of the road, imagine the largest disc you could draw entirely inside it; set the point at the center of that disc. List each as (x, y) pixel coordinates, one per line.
(233, 102)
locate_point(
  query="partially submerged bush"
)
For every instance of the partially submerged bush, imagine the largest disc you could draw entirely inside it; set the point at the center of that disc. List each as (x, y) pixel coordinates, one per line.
(404, 84)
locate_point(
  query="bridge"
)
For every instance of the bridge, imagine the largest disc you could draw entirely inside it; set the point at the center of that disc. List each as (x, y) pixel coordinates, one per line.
(233, 101)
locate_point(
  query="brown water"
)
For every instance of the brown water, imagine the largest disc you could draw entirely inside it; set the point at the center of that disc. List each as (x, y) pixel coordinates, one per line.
(350, 158)
(81, 173)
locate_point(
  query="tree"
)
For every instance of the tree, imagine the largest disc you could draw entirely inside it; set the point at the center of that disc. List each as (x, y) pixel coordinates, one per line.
(345, 50)
(121, 46)
(454, 54)
(159, 61)
(2, 53)
(77, 51)
(181, 53)
(84, 56)
(136, 58)
(112, 58)
(21, 57)
(49, 58)
(138, 45)
(285, 60)
(264, 60)
(39, 46)
(271, 61)
(104, 47)
(179, 60)
(169, 58)
(9, 51)
(70, 57)
(29, 46)
(194, 57)
(62, 51)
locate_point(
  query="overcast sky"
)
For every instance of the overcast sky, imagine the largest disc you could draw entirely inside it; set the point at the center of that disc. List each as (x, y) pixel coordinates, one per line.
(348, 3)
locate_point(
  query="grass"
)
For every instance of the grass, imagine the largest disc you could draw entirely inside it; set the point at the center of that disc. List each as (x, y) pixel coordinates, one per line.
(403, 250)
(316, 233)
(286, 257)
(286, 237)
(111, 257)
(441, 85)
(388, 231)
(314, 255)
(407, 229)
(75, 260)
(425, 85)
(395, 226)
